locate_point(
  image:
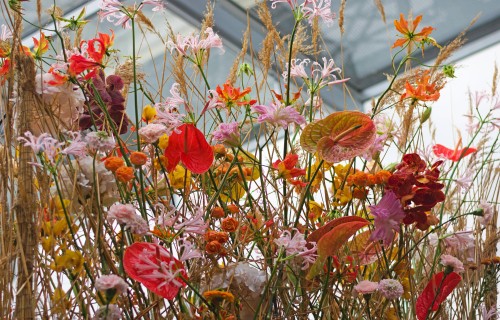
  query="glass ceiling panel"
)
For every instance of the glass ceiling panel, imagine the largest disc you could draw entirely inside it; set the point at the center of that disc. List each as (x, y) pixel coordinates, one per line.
(30, 15)
(364, 47)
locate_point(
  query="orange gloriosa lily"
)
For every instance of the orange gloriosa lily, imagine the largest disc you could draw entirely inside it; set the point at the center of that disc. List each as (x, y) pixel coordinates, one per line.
(232, 96)
(409, 33)
(424, 91)
(40, 46)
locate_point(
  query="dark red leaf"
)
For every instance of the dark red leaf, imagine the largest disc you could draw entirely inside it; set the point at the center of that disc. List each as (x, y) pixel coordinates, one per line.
(154, 267)
(436, 291)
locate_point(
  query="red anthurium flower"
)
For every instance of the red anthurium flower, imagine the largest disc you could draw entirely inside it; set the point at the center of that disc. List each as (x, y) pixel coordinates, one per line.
(436, 291)
(154, 267)
(453, 155)
(189, 145)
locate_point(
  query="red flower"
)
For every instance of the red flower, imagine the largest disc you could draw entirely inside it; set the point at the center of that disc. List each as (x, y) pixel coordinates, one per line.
(436, 291)
(418, 189)
(232, 96)
(78, 64)
(4, 70)
(409, 33)
(453, 155)
(189, 145)
(154, 267)
(424, 90)
(286, 168)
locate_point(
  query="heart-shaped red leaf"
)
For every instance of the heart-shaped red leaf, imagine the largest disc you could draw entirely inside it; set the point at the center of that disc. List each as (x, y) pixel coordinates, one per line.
(154, 267)
(188, 144)
(436, 291)
(453, 155)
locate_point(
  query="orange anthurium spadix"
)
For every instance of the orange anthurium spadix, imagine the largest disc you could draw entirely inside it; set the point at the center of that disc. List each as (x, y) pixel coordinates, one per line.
(340, 136)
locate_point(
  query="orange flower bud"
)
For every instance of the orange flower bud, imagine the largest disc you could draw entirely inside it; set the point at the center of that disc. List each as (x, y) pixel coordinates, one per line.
(384, 176)
(213, 247)
(161, 161)
(113, 163)
(217, 212)
(138, 158)
(229, 224)
(125, 174)
(233, 208)
(219, 150)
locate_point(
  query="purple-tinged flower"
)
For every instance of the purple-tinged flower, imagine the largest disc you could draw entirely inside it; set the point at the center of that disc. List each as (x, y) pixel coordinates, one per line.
(43, 143)
(193, 43)
(195, 225)
(297, 69)
(292, 5)
(126, 214)
(214, 101)
(228, 134)
(158, 4)
(452, 262)
(296, 246)
(321, 9)
(168, 116)
(175, 100)
(152, 132)
(278, 115)
(388, 214)
(377, 146)
(465, 181)
(488, 314)
(100, 141)
(487, 212)
(186, 247)
(108, 312)
(107, 282)
(77, 147)
(391, 289)
(5, 33)
(366, 287)
(112, 10)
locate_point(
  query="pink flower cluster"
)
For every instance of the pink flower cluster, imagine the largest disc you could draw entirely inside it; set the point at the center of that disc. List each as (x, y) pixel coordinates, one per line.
(309, 9)
(195, 44)
(296, 246)
(319, 75)
(278, 115)
(126, 214)
(111, 281)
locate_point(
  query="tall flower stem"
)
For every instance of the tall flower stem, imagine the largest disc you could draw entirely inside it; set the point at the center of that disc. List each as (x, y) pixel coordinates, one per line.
(287, 103)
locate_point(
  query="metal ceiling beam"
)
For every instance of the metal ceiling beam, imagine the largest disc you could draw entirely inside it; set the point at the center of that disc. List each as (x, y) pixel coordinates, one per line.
(231, 23)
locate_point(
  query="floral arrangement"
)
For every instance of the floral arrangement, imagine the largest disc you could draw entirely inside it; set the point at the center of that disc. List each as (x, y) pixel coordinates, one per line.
(237, 201)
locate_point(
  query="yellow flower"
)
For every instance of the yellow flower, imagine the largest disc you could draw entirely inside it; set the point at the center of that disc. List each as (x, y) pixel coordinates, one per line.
(163, 142)
(48, 243)
(148, 113)
(315, 210)
(68, 260)
(60, 302)
(180, 178)
(217, 296)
